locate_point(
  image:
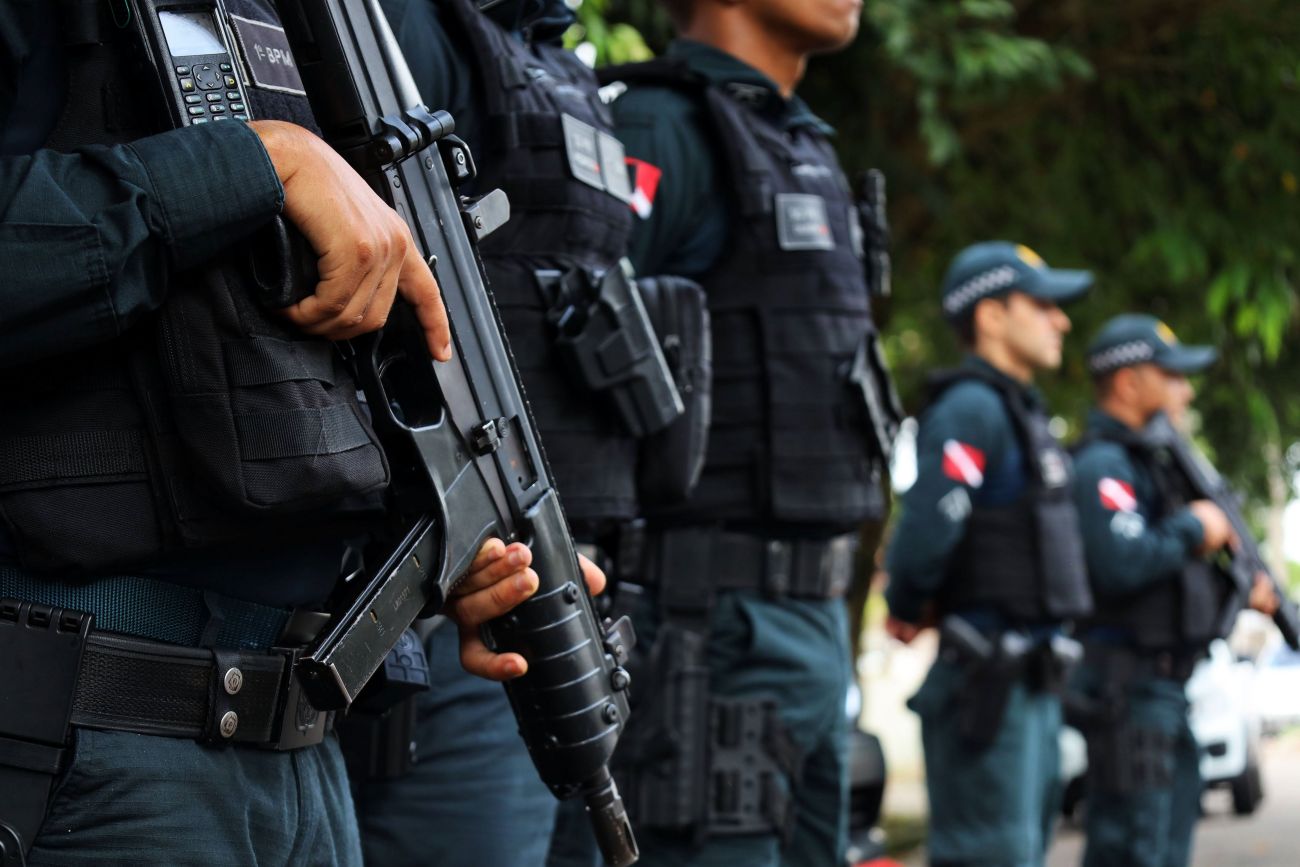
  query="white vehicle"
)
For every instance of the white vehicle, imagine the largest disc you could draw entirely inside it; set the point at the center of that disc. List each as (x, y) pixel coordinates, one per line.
(1224, 722)
(1227, 726)
(1277, 689)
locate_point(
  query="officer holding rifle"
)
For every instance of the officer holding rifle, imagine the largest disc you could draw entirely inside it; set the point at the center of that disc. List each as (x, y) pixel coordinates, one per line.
(126, 338)
(1151, 546)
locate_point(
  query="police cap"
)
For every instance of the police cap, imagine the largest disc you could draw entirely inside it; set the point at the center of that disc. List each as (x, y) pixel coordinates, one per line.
(991, 269)
(1134, 338)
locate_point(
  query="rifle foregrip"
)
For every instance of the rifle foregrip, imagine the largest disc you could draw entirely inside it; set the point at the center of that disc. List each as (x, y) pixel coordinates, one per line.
(572, 704)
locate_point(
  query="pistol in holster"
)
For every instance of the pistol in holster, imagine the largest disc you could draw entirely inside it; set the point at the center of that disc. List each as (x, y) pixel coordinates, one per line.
(605, 336)
(993, 666)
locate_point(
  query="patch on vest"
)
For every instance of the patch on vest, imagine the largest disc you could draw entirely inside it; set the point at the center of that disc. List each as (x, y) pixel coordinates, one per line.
(1127, 525)
(963, 463)
(802, 223)
(1052, 464)
(955, 505)
(267, 58)
(645, 178)
(596, 158)
(1116, 496)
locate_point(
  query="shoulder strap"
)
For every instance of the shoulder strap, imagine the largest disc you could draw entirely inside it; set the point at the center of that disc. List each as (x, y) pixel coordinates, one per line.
(665, 71)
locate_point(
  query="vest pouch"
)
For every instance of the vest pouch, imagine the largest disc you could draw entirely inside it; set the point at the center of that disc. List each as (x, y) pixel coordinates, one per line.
(267, 417)
(999, 557)
(1202, 587)
(672, 459)
(75, 489)
(1066, 592)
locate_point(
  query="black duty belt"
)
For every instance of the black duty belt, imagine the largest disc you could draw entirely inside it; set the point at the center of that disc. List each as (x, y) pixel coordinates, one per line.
(778, 568)
(1126, 662)
(218, 696)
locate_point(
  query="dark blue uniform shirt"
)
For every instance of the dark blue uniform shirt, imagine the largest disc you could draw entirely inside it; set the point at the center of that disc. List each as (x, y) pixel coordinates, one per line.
(1129, 544)
(967, 453)
(88, 241)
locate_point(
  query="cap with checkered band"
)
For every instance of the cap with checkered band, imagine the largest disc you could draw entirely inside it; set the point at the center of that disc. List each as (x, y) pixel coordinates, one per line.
(991, 269)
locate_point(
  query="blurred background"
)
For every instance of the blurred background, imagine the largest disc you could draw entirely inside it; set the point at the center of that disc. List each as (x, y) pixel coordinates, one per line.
(1157, 143)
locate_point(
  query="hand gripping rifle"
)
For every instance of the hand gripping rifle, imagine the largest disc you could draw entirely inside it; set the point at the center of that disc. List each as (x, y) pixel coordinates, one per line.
(1204, 483)
(467, 463)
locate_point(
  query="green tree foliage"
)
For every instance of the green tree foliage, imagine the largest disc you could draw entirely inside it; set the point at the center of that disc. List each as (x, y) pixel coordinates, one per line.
(1153, 141)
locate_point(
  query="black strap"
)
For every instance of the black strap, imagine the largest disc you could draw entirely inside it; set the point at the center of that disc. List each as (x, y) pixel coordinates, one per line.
(26, 460)
(266, 361)
(223, 696)
(684, 561)
(295, 432)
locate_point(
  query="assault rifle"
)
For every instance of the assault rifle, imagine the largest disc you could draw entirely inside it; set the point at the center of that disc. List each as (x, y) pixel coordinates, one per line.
(466, 459)
(1245, 561)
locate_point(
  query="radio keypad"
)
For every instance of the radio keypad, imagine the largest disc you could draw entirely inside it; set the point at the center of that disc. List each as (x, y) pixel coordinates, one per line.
(221, 100)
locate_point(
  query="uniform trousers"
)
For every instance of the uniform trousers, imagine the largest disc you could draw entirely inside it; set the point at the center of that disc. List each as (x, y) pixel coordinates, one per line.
(792, 652)
(992, 807)
(1147, 819)
(144, 800)
(473, 797)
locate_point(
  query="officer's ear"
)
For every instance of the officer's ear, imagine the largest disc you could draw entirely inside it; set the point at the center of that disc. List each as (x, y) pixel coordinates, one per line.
(989, 319)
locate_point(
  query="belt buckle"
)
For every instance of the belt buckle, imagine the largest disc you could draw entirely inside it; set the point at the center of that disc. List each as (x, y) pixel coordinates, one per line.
(778, 564)
(299, 724)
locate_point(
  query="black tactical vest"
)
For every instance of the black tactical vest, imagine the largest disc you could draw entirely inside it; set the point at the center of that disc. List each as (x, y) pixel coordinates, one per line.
(212, 422)
(789, 303)
(547, 142)
(1025, 559)
(1183, 610)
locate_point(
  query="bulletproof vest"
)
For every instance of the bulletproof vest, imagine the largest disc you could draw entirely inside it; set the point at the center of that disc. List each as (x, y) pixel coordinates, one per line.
(1025, 559)
(210, 423)
(789, 440)
(1182, 610)
(547, 142)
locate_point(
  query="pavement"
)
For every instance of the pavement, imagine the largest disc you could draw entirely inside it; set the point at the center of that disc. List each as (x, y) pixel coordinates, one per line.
(1269, 838)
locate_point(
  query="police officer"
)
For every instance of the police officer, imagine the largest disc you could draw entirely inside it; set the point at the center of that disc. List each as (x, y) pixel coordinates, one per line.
(736, 753)
(113, 237)
(1155, 597)
(987, 544)
(528, 110)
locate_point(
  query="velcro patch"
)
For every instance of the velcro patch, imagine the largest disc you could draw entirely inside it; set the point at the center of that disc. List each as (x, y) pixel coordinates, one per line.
(963, 463)
(267, 56)
(1117, 496)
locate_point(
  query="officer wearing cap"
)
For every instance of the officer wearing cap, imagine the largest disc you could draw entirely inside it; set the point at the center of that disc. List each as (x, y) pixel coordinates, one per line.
(1146, 547)
(987, 547)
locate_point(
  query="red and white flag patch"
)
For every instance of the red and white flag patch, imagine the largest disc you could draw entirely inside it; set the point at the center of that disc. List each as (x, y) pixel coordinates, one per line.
(1117, 496)
(963, 463)
(645, 183)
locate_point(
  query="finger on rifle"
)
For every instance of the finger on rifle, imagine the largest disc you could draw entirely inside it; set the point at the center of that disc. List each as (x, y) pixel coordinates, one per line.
(420, 289)
(493, 566)
(593, 575)
(477, 659)
(491, 602)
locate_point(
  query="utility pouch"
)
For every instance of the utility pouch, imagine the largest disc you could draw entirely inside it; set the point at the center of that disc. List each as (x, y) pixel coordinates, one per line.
(604, 334)
(1050, 664)
(672, 459)
(268, 418)
(664, 765)
(871, 381)
(377, 735)
(42, 649)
